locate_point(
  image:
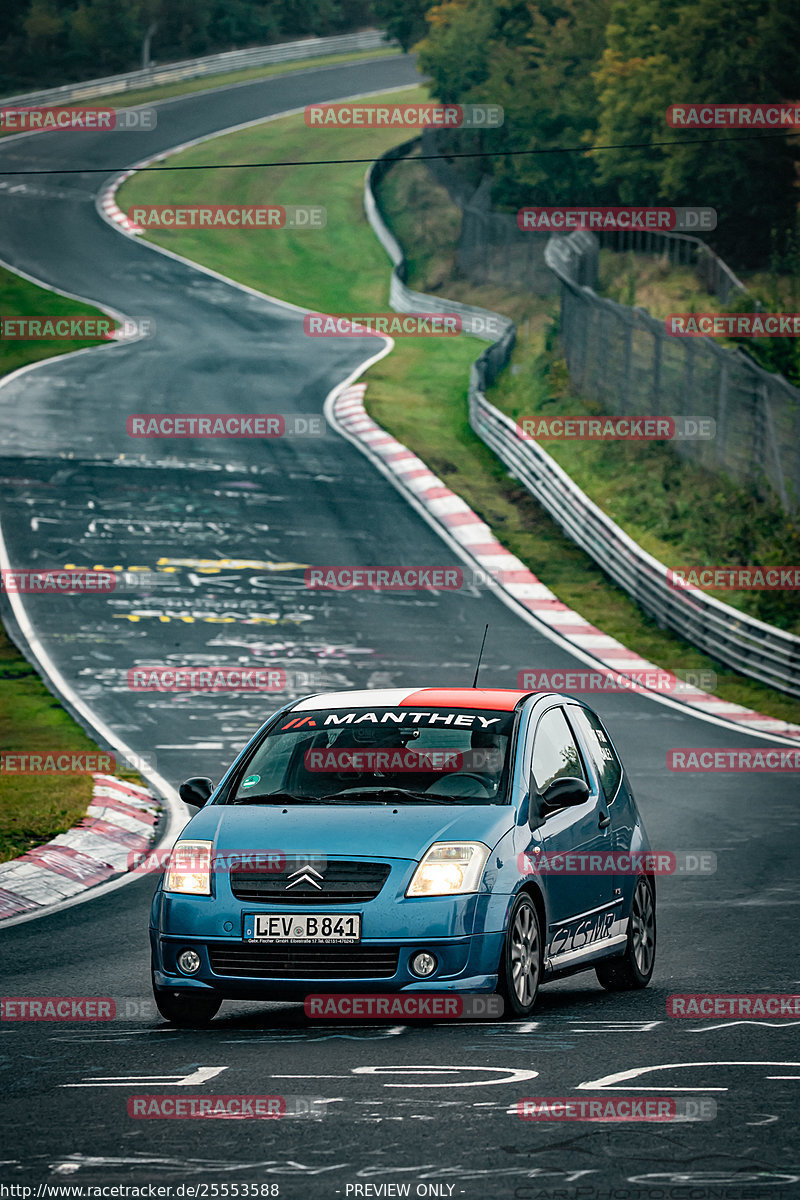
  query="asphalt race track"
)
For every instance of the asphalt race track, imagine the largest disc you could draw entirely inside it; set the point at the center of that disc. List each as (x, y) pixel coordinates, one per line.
(430, 1105)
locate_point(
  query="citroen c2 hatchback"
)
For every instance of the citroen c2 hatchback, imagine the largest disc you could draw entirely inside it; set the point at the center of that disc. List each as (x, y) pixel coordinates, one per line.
(388, 841)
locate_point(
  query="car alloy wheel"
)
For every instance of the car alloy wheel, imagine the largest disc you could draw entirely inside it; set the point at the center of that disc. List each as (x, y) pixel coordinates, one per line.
(643, 928)
(522, 958)
(634, 968)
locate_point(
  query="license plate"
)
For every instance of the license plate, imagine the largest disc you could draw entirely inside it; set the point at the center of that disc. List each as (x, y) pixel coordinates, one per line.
(302, 927)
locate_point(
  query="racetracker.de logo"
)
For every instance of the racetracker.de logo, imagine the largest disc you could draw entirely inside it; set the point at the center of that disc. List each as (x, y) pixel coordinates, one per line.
(610, 218)
(733, 1004)
(189, 858)
(617, 862)
(388, 579)
(734, 116)
(26, 120)
(57, 582)
(56, 762)
(336, 761)
(404, 116)
(733, 325)
(689, 758)
(57, 1008)
(48, 328)
(387, 324)
(406, 1005)
(649, 679)
(229, 216)
(224, 425)
(581, 428)
(193, 1108)
(616, 1108)
(206, 679)
(735, 579)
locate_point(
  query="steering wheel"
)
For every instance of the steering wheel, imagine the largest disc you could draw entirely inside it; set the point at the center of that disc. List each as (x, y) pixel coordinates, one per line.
(444, 786)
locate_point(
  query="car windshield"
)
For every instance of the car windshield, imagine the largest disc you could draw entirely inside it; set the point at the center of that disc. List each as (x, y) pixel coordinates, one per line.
(380, 756)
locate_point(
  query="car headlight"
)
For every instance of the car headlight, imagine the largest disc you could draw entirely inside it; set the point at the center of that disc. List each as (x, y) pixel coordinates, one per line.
(189, 869)
(449, 868)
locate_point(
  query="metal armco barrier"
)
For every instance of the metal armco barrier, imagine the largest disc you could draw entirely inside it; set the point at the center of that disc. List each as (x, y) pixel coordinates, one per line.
(489, 326)
(745, 644)
(195, 68)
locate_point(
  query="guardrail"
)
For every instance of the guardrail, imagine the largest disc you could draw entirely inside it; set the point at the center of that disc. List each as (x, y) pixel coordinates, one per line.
(214, 64)
(479, 322)
(749, 646)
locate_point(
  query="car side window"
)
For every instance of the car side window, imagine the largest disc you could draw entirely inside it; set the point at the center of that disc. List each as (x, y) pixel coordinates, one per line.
(607, 765)
(555, 753)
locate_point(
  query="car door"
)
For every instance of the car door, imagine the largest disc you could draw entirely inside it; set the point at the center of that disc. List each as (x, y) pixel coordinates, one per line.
(580, 904)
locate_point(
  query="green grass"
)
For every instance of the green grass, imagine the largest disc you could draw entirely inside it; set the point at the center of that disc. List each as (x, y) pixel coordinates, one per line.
(337, 268)
(419, 391)
(20, 298)
(650, 281)
(185, 87)
(33, 808)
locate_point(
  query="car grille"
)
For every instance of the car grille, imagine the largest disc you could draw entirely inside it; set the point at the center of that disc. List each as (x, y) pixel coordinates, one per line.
(304, 962)
(342, 882)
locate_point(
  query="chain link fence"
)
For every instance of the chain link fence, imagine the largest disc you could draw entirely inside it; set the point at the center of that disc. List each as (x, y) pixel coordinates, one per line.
(491, 246)
(623, 357)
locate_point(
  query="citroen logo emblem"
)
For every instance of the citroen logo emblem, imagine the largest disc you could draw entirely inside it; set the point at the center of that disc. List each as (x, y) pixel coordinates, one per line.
(305, 874)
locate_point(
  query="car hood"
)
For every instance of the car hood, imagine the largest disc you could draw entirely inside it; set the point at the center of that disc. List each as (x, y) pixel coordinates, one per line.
(354, 830)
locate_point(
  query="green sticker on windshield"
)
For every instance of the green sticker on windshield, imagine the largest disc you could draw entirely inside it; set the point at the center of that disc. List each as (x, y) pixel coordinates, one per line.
(251, 781)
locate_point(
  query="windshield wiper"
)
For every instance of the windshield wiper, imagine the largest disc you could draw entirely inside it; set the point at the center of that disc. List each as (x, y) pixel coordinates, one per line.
(278, 798)
(401, 793)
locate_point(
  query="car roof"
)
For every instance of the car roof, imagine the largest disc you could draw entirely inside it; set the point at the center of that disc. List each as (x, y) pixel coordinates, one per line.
(494, 699)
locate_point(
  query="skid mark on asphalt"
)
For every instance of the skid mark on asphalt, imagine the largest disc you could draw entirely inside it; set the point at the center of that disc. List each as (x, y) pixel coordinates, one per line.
(306, 1036)
(70, 1164)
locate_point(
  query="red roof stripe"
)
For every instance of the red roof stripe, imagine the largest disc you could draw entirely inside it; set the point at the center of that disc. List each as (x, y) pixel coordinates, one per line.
(499, 699)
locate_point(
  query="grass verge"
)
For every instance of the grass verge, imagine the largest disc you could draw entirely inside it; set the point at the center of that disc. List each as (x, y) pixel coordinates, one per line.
(418, 393)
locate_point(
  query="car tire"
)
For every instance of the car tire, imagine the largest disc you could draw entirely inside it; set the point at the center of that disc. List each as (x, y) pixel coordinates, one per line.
(634, 969)
(187, 1010)
(522, 958)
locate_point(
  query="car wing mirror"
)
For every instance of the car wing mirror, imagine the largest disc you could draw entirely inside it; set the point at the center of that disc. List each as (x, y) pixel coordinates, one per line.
(195, 791)
(566, 792)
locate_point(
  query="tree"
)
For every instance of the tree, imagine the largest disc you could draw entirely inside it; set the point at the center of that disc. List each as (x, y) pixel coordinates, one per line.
(706, 51)
(102, 34)
(403, 20)
(536, 61)
(43, 26)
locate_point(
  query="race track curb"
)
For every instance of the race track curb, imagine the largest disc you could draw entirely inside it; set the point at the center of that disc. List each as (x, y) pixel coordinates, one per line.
(120, 820)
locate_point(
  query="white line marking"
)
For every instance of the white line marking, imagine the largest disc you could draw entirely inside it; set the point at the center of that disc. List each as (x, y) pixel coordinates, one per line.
(609, 1082)
(200, 1075)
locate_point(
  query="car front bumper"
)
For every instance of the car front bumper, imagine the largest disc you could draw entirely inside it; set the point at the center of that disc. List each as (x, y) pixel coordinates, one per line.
(457, 930)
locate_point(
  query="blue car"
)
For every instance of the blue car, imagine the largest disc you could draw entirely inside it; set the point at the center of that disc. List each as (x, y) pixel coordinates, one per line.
(437, 839)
